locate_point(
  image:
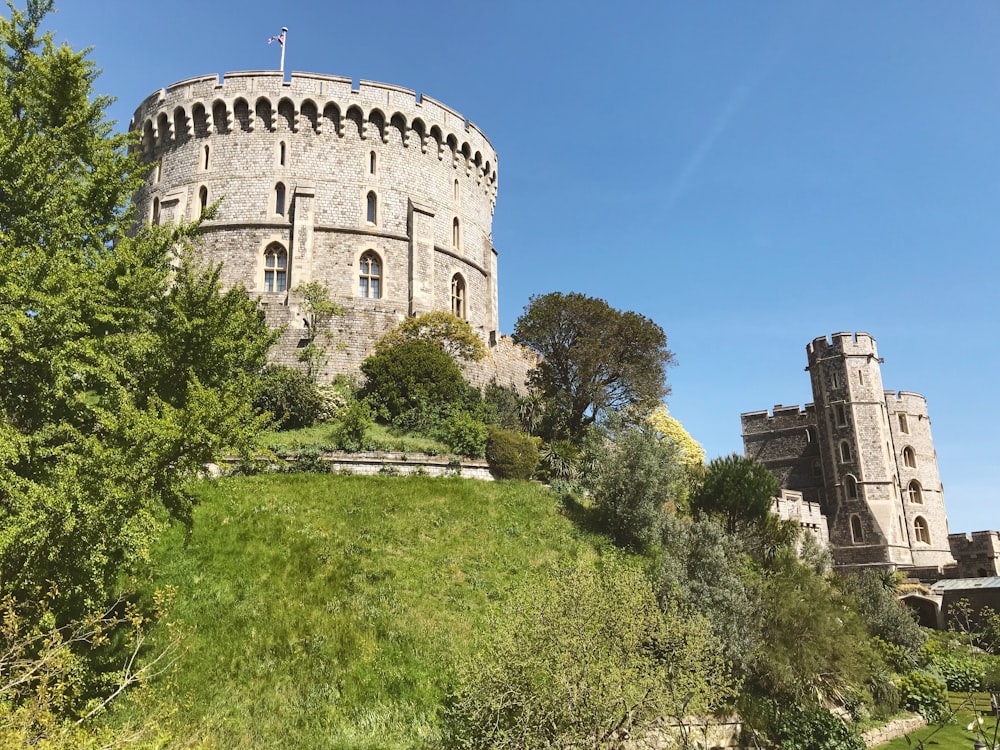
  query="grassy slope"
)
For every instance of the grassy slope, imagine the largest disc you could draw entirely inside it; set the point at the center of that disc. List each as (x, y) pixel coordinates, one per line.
(324, 611)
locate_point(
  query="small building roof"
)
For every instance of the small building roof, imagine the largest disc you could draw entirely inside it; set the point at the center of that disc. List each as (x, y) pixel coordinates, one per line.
(966, 584)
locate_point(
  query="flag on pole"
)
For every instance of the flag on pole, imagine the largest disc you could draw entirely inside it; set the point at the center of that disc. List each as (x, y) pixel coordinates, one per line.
(280, 38)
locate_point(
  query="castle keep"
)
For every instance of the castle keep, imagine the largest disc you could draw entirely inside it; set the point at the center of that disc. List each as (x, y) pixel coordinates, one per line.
(383, 196)
(864, 455)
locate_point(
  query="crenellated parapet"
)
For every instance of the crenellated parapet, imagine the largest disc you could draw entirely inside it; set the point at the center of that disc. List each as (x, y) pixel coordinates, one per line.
(258, 100)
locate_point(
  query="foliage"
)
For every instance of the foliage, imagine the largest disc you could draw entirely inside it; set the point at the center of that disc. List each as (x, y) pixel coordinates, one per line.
(451, 334)
(352, 426)
(874, 593)
(584, 659)
(502, 406)
(926, 694)
(559, 460)
(511, 455)
(595, 360)
(120, 377)
(290, 396)
(795, 727)
(690, 452)
(631, 482)
(464, 434)
(319, 308)
(414, 375)
(738, 489)
(327, 611)
(47, 697)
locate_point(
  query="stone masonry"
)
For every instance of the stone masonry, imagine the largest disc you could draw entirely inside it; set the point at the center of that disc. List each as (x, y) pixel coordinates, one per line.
(865, 455)
(383, 196)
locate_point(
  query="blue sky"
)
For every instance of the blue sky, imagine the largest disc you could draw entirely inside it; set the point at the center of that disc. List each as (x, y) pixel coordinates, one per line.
(750, 175)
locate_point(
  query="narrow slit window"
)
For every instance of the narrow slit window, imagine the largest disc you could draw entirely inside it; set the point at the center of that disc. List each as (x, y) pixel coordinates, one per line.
(857, 533)
(372, 163)
(203, 197)
(845, 452)
(456, 191)
(904, 425)
(155, 219)
(456, 238)
(279, 199)
(371, 208)
(841, 412)
(281, 153)
(205, 160)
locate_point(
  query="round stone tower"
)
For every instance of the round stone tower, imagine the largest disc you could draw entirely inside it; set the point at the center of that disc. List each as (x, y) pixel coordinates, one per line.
(383, 196)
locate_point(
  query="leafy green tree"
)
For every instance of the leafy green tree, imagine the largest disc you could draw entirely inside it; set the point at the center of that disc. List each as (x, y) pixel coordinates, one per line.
(874, 593)
(631, 481)
(319, 310)
(596, 360)
(584, 659)
(738, 489)
(119, 377)
(452, 334)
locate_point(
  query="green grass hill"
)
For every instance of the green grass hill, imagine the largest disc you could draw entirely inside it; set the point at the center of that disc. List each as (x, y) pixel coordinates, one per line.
(327, 611)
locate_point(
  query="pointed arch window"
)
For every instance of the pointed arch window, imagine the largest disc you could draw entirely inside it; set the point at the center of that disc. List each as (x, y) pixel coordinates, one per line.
(458, 296)
(371, 276)
(282, 153)
(456, 234)
(203, 198)
(275, 268)
(914, 492)
(155, 218)
(279, 199)
(909, 457)
(845, 452)
(857, 533)
(205, 158)
(920, 530)
(371, 208)
(456, 195)
(372, 163)
(851, 485)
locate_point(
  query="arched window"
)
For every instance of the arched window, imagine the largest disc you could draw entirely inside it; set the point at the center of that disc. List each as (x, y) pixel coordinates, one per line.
(275, 268)
(279, 199)
(920, 531)
(282, 150)
(371, 209)
(203, 197)
(456, 238)
(915, 492)
(904, 425)
(205, 162)
(857, 533)
(851, 484)
(909, 457)
(372, 163)
(371, 276)
(456, 191)
(841, 415)
(458, 296)
(155, 219)
(845, 452)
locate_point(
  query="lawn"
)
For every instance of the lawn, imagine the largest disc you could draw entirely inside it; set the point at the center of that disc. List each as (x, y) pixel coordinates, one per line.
(953, 735)
(327, 611)
(320, 437)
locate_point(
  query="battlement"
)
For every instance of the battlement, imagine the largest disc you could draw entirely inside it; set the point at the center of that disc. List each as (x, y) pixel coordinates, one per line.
(843, 342)
(779, 412)
(210, 104)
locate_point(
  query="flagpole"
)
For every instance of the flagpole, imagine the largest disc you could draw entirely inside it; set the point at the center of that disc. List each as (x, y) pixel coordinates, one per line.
(284, 41)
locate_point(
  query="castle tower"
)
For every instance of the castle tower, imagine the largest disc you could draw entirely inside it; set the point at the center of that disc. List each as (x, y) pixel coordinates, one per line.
(383, 196)
(919, 481)
(861, 485)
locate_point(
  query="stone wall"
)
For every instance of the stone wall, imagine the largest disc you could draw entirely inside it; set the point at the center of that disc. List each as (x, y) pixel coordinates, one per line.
(977, 554)
(313, 176)
(892, 730)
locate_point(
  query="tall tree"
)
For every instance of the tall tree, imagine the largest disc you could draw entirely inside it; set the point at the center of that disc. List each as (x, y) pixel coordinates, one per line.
(595, 359)
(120, 375)
(738, 489)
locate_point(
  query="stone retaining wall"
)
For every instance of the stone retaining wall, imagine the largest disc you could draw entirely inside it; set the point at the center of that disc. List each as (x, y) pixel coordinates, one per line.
(403, 464)
(892, 730)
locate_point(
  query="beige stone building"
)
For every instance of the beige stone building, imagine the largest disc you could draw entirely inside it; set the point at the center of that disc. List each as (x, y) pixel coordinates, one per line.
(384, 196)
(864, 455)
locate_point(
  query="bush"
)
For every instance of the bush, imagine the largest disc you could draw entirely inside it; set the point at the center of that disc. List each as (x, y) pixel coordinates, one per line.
(465, 435)
(875, 594)
(290, 396)
(796, 727)
(511, 455)
(353, 423)
(560, 459)
(926, 694)
(413, 375)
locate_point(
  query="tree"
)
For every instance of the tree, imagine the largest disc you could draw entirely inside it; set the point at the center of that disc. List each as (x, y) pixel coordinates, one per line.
(319, 309)
(584, 658)
(595, 359)
(738, 489)
(452, 334)
(120, 377)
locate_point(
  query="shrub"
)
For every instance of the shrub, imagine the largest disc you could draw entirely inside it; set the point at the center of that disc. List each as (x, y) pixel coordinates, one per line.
(926, 694)
(795, 727)
(290, 396)
(354, 420)
(875, 594)
(560, 459)
(511, 455)
(413, 375)
(465, 435)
